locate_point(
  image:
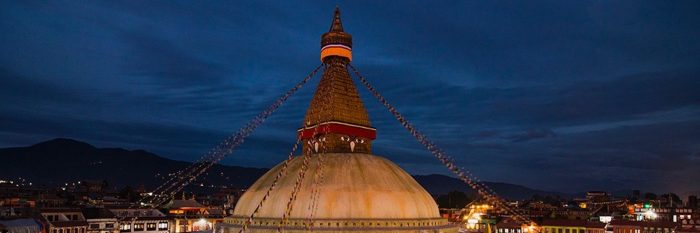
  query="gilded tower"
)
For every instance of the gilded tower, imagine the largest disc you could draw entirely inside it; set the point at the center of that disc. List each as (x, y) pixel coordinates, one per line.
(336, 121)
(346, 188)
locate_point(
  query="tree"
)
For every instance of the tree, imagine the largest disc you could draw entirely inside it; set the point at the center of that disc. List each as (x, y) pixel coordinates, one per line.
(104, 185)
(650, 196)
(454, 199)
(672, 199)
(129, 194)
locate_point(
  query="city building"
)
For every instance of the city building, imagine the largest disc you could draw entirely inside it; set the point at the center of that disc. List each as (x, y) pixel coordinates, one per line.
(624, 226)
(20, 225)
(647, 212)
(189, 215)
(571, 226)
(478, 217)
(100, 220)
(142, 220)
(597, 196)
(508, 225)
(63, 220)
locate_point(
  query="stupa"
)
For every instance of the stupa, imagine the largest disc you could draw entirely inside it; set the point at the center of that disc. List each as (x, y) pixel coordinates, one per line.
(346, 189)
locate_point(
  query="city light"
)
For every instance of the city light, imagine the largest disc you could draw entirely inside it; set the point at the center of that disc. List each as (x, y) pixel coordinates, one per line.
(650, 214)
(202, 222)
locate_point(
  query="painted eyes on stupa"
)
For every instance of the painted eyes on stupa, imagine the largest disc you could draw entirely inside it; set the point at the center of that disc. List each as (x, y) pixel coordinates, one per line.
(348, 139)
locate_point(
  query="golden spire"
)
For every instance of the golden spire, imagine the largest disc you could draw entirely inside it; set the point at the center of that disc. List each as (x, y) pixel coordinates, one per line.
(336, 25)
(337, 121)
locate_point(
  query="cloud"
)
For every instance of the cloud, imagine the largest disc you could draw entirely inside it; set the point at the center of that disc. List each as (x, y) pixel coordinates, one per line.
(541, 93)
(531, 134)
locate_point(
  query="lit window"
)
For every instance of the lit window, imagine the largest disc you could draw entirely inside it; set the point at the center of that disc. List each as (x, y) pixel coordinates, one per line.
(151, 226)
(162, 225)
(125, 227)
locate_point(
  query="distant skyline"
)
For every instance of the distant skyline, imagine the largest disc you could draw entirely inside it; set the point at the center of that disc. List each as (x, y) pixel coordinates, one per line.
(553, 95)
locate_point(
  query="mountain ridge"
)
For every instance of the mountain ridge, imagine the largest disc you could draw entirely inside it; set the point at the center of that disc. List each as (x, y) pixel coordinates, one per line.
(64, 160)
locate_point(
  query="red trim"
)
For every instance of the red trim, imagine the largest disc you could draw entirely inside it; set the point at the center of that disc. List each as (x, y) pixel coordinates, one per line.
(332, 127)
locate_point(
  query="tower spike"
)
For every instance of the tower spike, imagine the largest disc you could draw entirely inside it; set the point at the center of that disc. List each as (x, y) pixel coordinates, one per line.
(336, 25)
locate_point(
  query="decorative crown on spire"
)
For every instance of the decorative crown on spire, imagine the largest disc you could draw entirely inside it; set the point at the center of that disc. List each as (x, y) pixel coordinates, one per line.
(336, 25)
(336, 42)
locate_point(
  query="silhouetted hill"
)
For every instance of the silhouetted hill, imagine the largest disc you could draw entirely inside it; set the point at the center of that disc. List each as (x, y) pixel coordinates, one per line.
(63, 160)
(441, 184)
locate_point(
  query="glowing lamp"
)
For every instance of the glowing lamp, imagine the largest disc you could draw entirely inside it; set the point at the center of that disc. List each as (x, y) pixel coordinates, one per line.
(202, 221)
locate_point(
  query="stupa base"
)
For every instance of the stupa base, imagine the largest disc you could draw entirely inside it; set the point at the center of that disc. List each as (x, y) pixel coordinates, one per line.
(269, 225)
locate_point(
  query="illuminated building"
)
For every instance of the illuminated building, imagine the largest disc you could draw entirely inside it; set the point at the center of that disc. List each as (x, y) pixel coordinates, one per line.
(357, 191)
(477, 218)
(142, 220)
(571, 226)
(648, 212)
(63, 220)
(100, 220)
(508, 225)
(188, 215)
(622, 226)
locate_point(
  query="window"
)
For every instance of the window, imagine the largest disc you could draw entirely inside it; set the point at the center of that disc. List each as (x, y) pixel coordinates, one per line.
(162, 225)
(138, 226)
(151, 226)
(69, 230)
(125, 227)
(109, 225)
(94, 226)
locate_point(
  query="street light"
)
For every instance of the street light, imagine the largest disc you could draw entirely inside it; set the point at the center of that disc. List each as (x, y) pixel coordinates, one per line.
(651, 215)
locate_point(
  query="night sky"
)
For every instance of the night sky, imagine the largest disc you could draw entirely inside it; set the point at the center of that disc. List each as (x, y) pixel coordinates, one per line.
(556, 95)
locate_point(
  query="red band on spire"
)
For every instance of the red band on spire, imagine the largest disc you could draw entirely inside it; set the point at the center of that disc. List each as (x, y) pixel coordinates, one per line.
(339, 128)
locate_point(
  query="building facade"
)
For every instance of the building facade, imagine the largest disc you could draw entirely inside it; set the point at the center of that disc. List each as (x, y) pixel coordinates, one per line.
(63, 220)
(142, 220)
(623, 226)
(571, 226)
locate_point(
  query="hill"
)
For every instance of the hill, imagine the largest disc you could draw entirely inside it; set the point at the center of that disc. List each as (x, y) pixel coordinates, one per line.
(61, 160)
(441, 184)
(57, 161)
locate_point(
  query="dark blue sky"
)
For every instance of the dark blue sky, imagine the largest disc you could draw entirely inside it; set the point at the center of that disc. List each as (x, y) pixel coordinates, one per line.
(556, 95)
